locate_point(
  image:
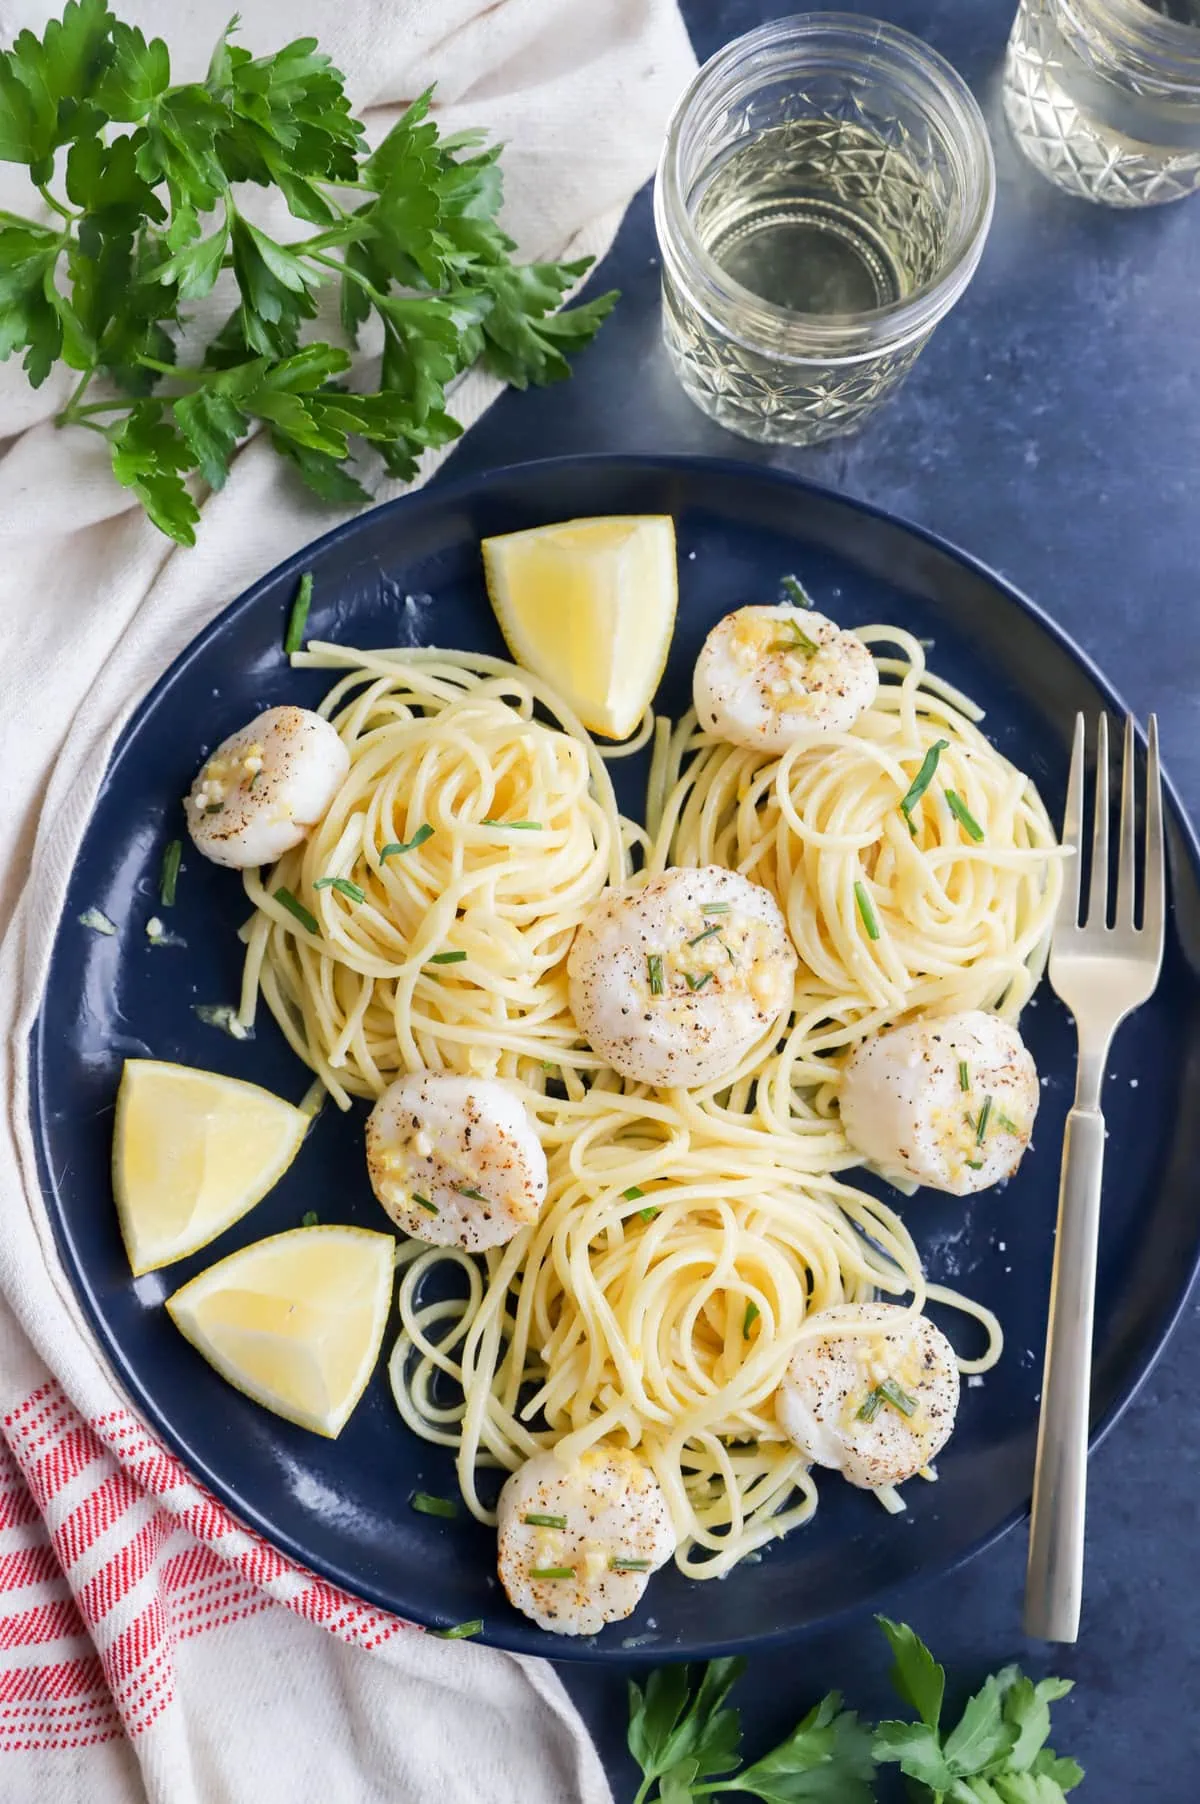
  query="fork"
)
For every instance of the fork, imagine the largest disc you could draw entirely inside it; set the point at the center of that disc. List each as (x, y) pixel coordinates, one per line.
(1102, 973)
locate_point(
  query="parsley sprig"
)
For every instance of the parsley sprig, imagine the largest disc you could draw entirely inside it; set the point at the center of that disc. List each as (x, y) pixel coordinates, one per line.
(687, 1740)
(688, 1744)
(140, 175)
(996, 1750)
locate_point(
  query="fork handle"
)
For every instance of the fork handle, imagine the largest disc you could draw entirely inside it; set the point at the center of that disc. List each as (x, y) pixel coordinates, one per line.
(1054, 1576)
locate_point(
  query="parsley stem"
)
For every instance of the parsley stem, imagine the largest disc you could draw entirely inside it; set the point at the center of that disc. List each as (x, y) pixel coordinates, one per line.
(78, 392)
(72, 415)
(55, 206)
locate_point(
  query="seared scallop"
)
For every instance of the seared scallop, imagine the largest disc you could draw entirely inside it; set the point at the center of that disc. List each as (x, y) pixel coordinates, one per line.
(771, 677)
(454, 1160)
(875, 1400)
(578, 1543)
(949, 1101)
(266, 787)
(676, 982)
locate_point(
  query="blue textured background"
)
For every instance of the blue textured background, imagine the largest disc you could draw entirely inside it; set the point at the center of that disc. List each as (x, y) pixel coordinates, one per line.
(1052, 427)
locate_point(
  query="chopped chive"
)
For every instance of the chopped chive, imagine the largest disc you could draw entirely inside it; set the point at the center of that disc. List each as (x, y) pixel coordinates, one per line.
(462, 1631)
(447, 958)
(866, 910)
(887, 1392)
(963, 815)
(975, 1164)
(619, 1564)
(634, 1194)
(697, 983)
(550, 1065)
(536, 1521)
(551, 1572)
(343, 886)
(254, 779)
(795, 591)
(964, 1075)
(706, 935)
(899, 1399)
(394, 847)
(522, 826)
(924, 777)
(981, 1126)
(647, 1214)
(798, 642)
(425, 1505)
(715, 908)
(476, 1196)
(214, 808)
(654, 971)
(423, 1202)
(1006, 1122)
(97, 921)
(749, 1319)
(169, 875)
(298, 618)
(294, 907)
(309, 1219)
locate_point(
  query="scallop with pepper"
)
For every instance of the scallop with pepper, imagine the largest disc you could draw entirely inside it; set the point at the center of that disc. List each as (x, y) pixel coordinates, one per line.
(772, 677)
(266, 787)
(948, 1100)
(455, 1161)
(875, 1398)
(676, 982)
(578, 1543)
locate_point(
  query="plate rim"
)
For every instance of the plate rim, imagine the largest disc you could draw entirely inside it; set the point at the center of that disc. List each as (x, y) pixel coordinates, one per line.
(518, 1639)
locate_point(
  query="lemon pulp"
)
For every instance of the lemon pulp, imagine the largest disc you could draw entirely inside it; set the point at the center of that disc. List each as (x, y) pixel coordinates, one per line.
(295, 1322)
(590, 606)
(192, 1152)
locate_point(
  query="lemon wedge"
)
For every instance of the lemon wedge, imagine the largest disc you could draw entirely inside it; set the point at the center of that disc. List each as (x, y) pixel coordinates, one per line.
(590, 606)
(296, 1321)
(192, 1152)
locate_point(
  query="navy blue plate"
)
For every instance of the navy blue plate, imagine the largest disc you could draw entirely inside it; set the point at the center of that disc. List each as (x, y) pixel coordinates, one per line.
(411, 572)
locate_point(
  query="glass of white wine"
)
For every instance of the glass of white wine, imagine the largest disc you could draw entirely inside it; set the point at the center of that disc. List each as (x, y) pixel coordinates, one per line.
(823, 198)
(1103, 96)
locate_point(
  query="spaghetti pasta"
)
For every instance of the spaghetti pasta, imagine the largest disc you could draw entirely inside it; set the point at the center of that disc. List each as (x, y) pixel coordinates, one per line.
(689, 1239)
(476, 834)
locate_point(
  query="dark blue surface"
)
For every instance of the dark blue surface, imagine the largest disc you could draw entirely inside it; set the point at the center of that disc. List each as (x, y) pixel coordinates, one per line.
(340, 1506)
(1052, 427)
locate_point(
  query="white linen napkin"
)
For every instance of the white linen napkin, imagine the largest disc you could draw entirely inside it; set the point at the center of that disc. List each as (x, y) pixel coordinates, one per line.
(150, 1646)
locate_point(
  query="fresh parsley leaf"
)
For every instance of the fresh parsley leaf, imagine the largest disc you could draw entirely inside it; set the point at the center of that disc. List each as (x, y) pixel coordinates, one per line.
(827, 1759)
(915, 1673)
(981, 1735)
(525, 340)
(671, 1732)
(410, 231)
(916, 1750)
(1065, 1773)
(995, 1754)
(149, 456)
(137, 73)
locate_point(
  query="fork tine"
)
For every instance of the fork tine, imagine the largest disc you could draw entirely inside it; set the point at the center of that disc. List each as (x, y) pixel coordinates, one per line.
(1067, 915)
(1154, 904)
(1125, 858)
(1097, 909)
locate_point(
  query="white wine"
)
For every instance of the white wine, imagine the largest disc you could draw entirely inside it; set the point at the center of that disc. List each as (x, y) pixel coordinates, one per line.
(821, 216)
(822, 200)
(1103, 96)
